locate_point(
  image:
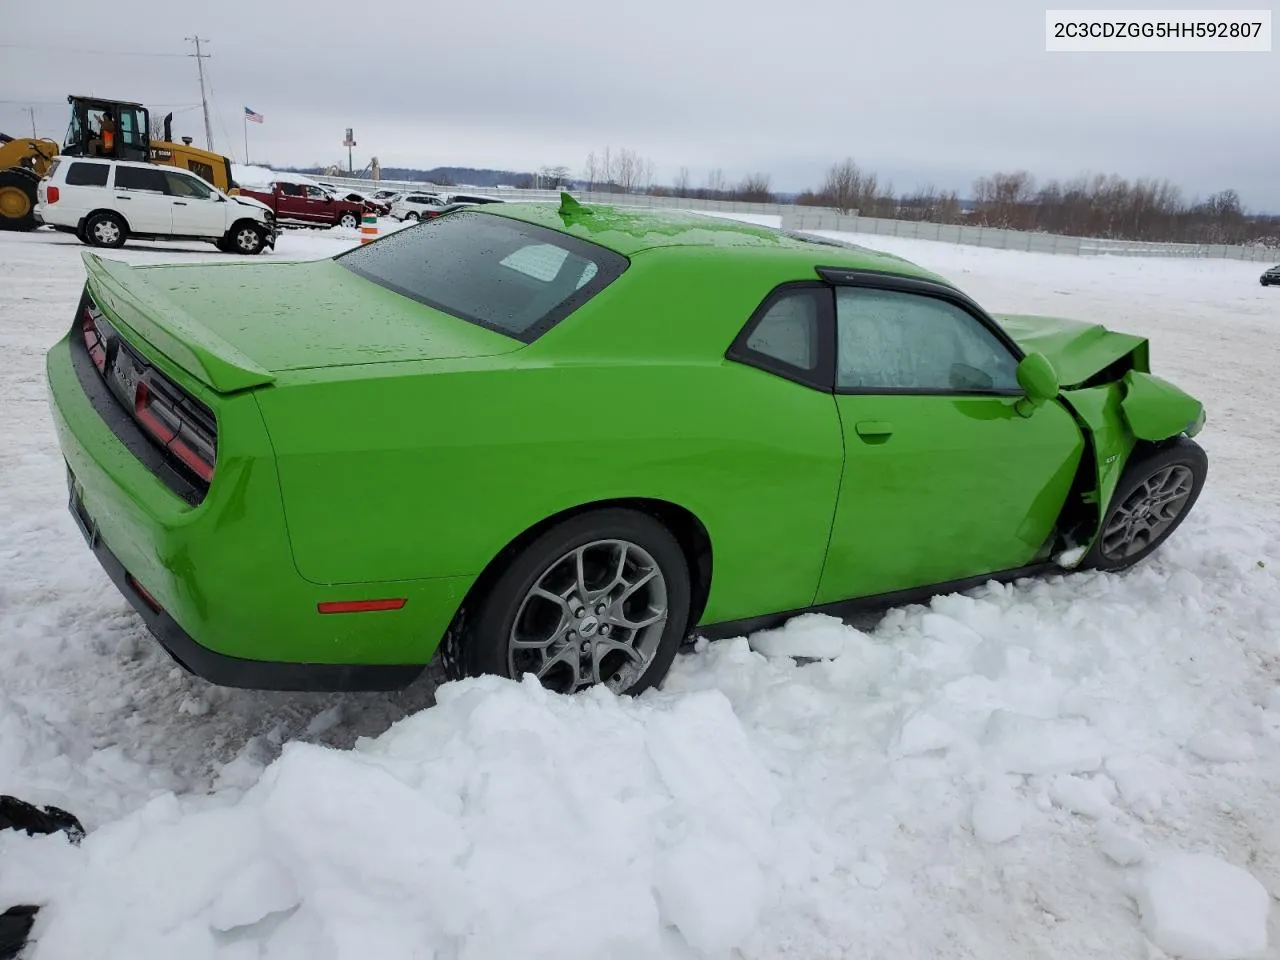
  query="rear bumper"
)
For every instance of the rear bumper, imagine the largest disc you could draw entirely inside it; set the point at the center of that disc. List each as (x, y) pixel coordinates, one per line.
(213, 577)
(225, 670)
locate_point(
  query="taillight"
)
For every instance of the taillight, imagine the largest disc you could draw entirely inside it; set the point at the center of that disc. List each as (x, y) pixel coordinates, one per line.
(52, 194)
(172, 422)
(93, 340)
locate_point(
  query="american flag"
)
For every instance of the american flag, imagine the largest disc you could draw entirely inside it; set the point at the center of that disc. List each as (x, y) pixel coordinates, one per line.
(250, 115)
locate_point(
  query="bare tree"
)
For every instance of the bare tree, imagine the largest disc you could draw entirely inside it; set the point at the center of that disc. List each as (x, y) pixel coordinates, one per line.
(681, 188)
(591, 171)
(715, 183)
(843, 186)
(754, 189)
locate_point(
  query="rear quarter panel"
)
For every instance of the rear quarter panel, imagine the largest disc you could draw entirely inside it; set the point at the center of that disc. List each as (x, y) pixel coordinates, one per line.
(429, 469)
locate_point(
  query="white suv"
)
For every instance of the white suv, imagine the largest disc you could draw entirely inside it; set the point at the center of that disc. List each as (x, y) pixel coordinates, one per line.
(106, 202)
(411, 206)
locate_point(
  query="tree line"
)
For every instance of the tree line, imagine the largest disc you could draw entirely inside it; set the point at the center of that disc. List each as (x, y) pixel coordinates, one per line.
(1094, 205)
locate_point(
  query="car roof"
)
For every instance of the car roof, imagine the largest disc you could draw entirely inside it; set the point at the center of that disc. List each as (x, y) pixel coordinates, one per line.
(632, 230)
(119, 163)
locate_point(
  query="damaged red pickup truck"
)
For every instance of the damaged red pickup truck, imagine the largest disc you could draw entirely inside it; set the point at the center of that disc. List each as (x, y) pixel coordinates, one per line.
(302, 204)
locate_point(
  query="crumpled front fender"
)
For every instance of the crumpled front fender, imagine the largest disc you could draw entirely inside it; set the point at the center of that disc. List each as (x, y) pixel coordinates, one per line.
(1156, 410)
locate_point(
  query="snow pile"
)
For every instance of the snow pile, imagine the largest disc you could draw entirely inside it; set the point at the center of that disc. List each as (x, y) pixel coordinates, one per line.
(1079, 766)
(256, 178)
(1199, 907)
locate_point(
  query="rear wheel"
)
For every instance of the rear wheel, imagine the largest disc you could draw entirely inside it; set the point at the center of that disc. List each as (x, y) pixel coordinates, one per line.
(18, 199)
(106, 230)
(349, 220)
(1155, 494)
(603, 598)
(411, 215)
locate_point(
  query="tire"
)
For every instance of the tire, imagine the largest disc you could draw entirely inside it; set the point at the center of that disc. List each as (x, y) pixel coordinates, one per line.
(106, 229)
(411, 215)
(589, 639)
(81, 235)
(349, 220)
(18, 199)
(1175, 467)
(244, 238)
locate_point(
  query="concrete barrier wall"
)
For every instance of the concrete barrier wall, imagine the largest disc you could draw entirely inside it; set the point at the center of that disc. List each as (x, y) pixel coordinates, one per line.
(824, 218)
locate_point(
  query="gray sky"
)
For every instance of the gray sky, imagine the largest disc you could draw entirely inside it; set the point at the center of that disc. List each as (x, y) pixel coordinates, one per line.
(923, 93)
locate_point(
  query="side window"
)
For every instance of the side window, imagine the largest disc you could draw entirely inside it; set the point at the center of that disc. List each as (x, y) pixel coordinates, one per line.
(788, 331)
(888, 340)
(86, 175)
(141, 178)
(181, 185)
(315, 193)
(290, 189)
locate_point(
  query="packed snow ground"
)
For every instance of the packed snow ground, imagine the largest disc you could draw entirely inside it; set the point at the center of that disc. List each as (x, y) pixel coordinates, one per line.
(1082, 766)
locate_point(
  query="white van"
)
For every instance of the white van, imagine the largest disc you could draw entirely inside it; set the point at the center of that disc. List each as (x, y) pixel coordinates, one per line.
(106, 202)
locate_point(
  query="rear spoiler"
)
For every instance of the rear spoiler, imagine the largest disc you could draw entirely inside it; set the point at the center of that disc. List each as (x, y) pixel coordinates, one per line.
(132, 300)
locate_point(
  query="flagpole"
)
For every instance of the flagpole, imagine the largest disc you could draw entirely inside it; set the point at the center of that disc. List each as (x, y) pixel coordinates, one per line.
(246, 139)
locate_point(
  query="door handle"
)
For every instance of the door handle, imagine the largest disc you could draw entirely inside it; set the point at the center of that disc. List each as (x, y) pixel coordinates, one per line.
(874, 429)
(179, 203)
(118, 197)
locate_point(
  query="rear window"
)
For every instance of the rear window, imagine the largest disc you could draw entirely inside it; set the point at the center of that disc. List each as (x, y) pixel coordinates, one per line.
(87, 175)
(513, 277)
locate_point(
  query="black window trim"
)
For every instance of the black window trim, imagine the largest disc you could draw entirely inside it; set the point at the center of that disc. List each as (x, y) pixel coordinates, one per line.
(919, 286)
(823, 377)
(610, 265)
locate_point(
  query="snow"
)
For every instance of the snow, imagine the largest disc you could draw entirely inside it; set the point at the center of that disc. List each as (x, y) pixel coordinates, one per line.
(1078, 766)
(1200, 907)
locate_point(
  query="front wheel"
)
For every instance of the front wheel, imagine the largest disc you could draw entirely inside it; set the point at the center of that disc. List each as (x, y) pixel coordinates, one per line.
(349, 220)
(601, 599)
(245, 238)
(1155, 494)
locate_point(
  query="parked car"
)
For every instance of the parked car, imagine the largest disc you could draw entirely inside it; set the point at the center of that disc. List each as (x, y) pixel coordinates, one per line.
(1270, 276)
(306, 205)
(473, 198)
(108, 202)
(560, 440)
(434, 212)
(412, 206)
(376, 207)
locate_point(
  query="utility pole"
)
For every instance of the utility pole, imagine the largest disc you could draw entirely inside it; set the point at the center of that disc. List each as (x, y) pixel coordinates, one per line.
(204, 101)
(32, 111)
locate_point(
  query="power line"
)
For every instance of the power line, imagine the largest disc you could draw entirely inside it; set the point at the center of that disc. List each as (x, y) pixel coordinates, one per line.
(88, 53)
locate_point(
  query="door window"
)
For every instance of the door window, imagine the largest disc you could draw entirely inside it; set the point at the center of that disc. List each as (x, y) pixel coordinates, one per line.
(894, 342)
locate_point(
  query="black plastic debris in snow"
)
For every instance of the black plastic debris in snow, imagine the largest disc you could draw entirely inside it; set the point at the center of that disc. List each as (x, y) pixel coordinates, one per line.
(15, 814)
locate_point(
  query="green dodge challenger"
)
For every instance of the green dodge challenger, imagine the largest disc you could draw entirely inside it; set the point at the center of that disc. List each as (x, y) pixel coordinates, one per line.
(560, 440)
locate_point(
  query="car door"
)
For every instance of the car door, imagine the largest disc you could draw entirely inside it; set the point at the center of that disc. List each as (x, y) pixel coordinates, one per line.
(945, 478)
(142, 196)
(319, 205)
(196, 210)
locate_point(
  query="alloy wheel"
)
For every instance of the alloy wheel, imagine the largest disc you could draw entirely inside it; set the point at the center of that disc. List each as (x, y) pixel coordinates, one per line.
(1147, 512)
(106, 232)
(594, 616)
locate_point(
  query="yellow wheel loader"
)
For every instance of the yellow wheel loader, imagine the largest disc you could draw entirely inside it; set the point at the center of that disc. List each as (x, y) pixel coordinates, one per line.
(112, 129)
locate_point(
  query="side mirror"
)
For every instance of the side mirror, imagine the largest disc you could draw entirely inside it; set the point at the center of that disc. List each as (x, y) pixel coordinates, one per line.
(1038, 378)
